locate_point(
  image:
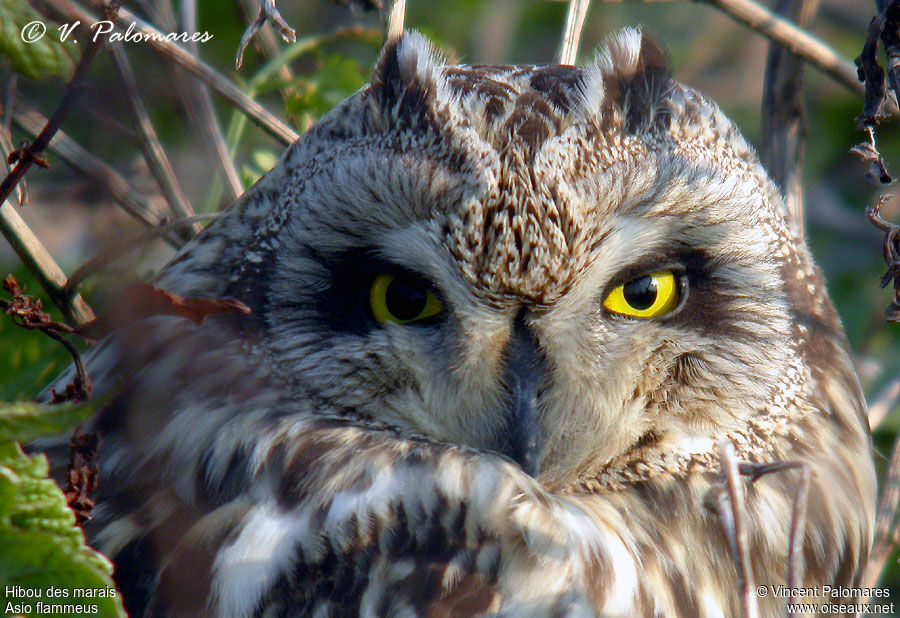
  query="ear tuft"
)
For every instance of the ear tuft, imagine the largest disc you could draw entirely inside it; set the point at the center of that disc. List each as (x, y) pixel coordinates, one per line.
(636, 79)
(405, 77)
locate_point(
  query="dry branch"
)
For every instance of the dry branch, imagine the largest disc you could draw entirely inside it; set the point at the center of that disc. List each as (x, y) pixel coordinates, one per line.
(575, 17)
(114, 184)
(886, 533)
(31, 153)
(784, 113)
(42, 265)
(202, 71)
(728, 502)
(153, 150)
(268, 12)
(121, 249)
(396, 20)
(196, 96)
(800, 42)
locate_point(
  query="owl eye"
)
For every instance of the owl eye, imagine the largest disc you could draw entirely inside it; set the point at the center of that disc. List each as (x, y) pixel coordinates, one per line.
(402, 300)
(648, 296)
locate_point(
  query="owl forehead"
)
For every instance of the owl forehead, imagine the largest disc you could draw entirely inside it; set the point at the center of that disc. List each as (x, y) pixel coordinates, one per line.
(532, 129)
(536, 164)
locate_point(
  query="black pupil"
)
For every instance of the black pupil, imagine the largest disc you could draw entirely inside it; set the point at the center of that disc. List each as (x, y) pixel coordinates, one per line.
(404, 299)
(640, 293)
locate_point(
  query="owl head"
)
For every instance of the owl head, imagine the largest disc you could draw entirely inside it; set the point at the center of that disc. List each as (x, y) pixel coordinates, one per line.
(585, 269)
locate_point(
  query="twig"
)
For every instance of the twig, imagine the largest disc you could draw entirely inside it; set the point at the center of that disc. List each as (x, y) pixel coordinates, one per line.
(396, 20)
(886, 534)
(202, 71)
(114, 184)
(795, 564)
(757, 17)
(884, 401)
(201, 108)
(267, 12)
(797, 40)
(729, 504)
(80, 388)
(153, 151)
(269, 69)
(197, 99)
(796, 567)
(891, 248)
(6, 144)
(120, 249)
(784, 113)
(268, 47)
(42, 265)
(27, 312)
(575, 17)
(877, 171)
(76, 85)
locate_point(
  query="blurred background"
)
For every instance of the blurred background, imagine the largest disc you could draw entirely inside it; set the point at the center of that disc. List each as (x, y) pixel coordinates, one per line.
(79, 218)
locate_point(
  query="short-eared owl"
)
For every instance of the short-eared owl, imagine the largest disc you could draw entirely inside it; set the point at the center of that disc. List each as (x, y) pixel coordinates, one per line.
(501, 318)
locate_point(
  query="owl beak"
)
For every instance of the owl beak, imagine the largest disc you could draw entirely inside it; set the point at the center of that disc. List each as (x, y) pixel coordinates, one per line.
(524, 368)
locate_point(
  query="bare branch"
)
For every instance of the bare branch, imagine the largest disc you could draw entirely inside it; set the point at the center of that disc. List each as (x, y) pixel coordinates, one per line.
(267, 12)
(199, 104)
(268, 47)
(74, 88)
(796, 567)
(130, 199)
(729, 504)
(396, 20)
(121, 249)
(757, 17)
(42, 265)
(886, 532)
(202, 71)
(153, 151)
(883, 402)
(784, 113)
(575, 17)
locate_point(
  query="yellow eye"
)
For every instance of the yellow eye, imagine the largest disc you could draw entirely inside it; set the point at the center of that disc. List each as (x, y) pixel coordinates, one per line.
(402, 300)
(649, 296)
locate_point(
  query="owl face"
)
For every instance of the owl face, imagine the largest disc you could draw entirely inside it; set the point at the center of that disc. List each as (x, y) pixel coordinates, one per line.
(574, 267)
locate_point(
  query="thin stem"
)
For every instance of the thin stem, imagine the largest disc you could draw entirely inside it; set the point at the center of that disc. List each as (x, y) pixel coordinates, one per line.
(760, 19)
(153, 151)
(200, 106)
(796, 566)
(42, 265)
(884, 401)
(121, 249)
(73, 90)
(202, 71)
(269, 70)
(114, 184)
(731, 510)
(885, 532)
(396, 21)
(784, 114)
(575, 17)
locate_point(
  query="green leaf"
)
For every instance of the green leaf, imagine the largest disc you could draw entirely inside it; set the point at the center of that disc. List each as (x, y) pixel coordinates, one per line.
(43, 555)
(46, 56)
(24, 421)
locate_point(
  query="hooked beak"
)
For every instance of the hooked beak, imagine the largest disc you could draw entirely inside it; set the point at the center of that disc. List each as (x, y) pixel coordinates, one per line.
(524, 369)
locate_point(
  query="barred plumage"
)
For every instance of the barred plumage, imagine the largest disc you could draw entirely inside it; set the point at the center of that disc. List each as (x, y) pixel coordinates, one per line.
(525, 452)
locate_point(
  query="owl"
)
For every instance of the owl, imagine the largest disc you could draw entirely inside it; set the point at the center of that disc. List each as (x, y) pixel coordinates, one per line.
(501, 318)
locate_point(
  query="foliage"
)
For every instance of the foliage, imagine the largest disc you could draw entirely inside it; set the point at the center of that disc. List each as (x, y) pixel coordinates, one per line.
(48, 56)
(41, 549)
